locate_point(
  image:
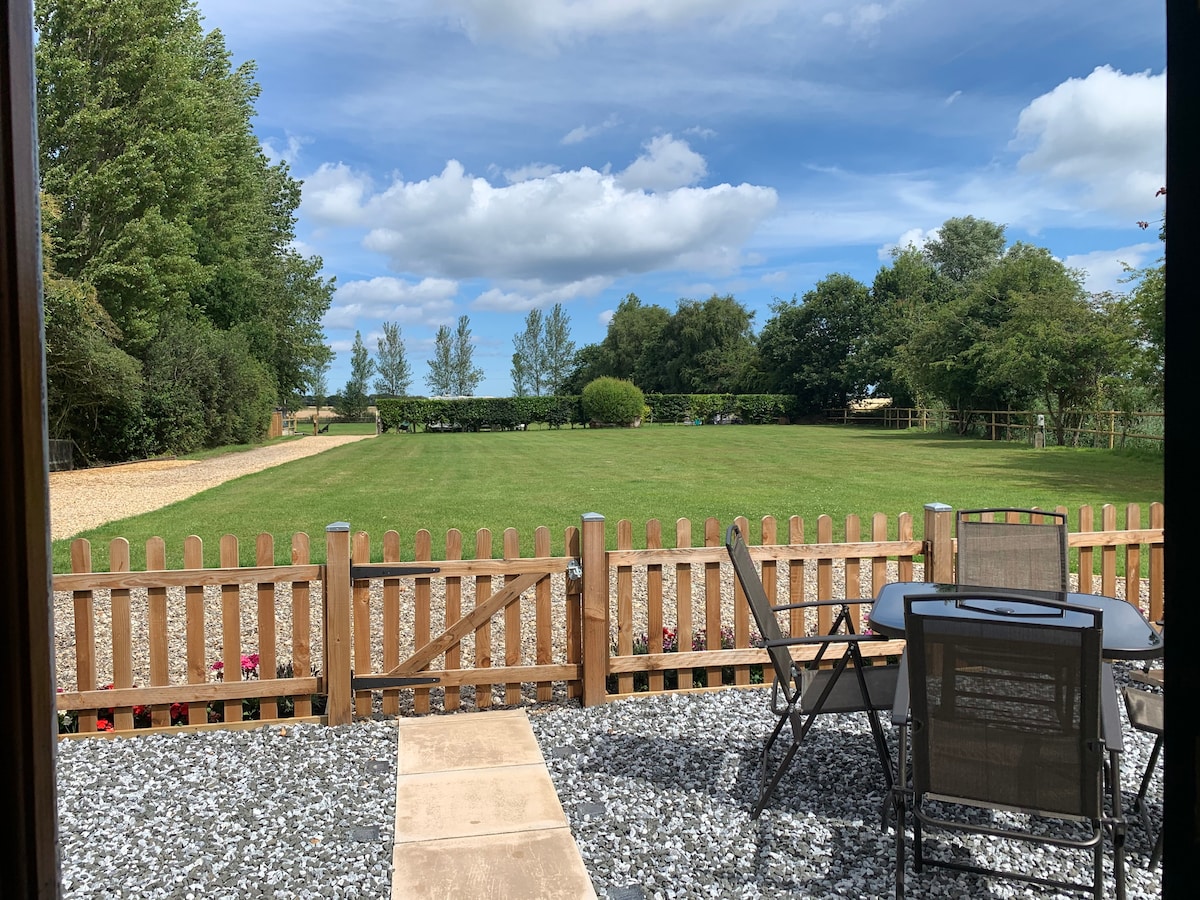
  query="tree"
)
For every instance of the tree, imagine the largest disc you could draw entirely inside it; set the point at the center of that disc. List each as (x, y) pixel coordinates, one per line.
(317, 377)
(529, 357)
(632, 343)
(558, 349)
(965, 248)
(391, 363)
(465, 377)
(813, 349)
(441, 365)
(704, 348)
(354, 400)
(169, 210)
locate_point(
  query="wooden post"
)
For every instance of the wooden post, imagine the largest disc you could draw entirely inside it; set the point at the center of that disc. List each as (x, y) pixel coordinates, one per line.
(939, 558)
(337, 623)
(595, 610)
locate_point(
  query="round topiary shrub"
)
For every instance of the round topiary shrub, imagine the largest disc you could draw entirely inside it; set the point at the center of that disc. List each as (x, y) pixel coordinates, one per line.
(613, 401)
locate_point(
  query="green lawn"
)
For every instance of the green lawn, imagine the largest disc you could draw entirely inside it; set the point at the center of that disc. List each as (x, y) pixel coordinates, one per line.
(436, 481)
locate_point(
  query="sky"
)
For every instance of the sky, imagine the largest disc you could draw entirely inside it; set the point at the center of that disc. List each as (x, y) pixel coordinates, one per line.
(489, 157)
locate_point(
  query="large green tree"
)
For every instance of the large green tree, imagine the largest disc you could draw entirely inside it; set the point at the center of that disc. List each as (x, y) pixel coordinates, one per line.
(168, 209)
(814, 349)
(705, 347)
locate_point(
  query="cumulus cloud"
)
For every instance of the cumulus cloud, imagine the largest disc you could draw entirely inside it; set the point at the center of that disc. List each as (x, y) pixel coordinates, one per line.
(430, 300)
(667, 164)
(1105, 270)
(915, 237)
(529, 172)
(1104, 134)
(562, 229)
(333, 195)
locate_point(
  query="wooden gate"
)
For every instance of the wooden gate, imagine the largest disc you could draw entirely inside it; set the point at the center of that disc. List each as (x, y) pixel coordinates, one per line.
(453, 613)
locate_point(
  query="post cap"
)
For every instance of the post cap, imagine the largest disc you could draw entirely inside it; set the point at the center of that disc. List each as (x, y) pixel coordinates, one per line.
(938, 507)
(338, 526)
(593, 517)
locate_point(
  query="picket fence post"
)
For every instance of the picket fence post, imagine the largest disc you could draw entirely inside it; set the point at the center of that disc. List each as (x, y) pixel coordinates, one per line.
(337, 624)
(939, 557)
(595, 610)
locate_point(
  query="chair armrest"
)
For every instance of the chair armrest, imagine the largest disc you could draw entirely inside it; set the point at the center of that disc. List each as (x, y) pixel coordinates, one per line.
(900, 704)
(1110, 717)
(816, 604)
(834, 638)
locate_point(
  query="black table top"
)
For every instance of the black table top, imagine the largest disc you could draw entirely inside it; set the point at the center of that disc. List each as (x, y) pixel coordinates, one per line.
(1127, 634)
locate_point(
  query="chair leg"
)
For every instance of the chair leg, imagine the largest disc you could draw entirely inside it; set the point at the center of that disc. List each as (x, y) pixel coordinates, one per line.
(1139, 802)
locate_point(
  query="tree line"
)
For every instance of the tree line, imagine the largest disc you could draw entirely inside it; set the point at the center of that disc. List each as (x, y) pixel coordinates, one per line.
(966, 322)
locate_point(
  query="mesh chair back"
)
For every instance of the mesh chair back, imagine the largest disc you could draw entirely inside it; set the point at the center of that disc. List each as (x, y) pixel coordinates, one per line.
(1015, 552)
(1006, 714)
(760, 607)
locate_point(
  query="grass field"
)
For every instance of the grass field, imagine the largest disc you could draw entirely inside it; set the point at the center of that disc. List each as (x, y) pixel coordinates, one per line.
(407, 482)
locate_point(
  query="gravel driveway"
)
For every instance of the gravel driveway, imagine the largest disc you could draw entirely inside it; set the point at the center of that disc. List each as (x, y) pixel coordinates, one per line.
(86, 498)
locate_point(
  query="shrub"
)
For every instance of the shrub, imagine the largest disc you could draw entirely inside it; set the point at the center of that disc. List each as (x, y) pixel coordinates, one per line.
(613, 401)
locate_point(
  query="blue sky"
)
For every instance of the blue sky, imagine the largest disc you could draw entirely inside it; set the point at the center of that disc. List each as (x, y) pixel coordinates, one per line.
(488, 157)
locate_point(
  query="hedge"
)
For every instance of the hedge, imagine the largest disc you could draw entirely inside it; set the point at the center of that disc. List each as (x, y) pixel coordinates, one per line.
(473, 413)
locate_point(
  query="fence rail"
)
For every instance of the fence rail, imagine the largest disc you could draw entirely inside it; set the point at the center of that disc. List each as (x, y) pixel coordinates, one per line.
(594, 624)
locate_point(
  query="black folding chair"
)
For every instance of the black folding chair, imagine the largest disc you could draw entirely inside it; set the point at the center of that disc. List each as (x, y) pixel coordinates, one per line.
(1145, 707)
(807, 691)
(1024, 548)
(1008, 716)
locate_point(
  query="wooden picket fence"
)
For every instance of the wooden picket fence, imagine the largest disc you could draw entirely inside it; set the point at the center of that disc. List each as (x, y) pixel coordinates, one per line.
(329, 642)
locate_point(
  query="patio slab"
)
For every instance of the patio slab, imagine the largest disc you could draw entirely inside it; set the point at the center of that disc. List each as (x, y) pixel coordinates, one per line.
(477, 814)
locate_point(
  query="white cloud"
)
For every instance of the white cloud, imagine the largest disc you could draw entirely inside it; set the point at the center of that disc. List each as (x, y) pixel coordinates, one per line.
(916, 237)
(562, 229)
(583, 132)
(289, 153)
(430, 300)
(606, 316)
(1104, 135)
(1104, 270)
(526, 295)
(333, 195)
(667, 164)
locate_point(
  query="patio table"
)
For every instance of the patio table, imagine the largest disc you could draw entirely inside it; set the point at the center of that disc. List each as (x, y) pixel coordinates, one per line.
(1127, 634)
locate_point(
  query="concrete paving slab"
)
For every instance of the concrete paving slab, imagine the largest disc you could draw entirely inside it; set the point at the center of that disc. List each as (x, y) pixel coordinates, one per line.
(467, 741)
(477, 814)
(524, 865)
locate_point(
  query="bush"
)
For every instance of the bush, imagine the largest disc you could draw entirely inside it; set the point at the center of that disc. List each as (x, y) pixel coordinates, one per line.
(613, 401)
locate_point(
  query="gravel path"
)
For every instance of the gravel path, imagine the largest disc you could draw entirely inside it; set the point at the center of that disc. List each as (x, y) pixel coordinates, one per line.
(85, 498)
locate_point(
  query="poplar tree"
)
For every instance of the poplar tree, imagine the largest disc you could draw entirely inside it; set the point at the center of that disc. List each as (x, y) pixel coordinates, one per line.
(391, 363)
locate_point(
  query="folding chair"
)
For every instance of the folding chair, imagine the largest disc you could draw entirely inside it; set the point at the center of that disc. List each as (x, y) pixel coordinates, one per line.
(1027, 548)
(1010, 709)
(1145, 708)
(809, 691)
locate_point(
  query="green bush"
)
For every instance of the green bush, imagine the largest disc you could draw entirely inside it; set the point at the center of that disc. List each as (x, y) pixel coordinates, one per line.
(613, 401)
